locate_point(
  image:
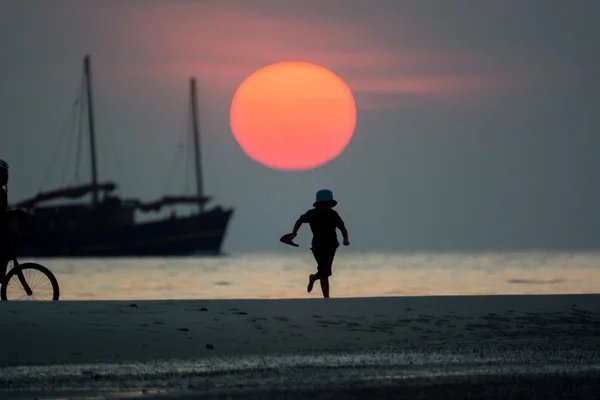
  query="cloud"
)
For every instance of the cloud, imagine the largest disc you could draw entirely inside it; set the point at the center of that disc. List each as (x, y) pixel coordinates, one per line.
(433, 85)
(222, 44)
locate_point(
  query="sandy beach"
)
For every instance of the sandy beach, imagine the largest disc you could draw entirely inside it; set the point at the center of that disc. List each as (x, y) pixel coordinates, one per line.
(215, 347)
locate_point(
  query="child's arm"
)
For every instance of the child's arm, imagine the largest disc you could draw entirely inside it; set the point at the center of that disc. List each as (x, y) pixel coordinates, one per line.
(342, 227)
(303, 218)
(297, 226)
(345, 235)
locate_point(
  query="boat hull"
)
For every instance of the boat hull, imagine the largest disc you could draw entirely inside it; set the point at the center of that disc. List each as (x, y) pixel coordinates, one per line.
(176, 236)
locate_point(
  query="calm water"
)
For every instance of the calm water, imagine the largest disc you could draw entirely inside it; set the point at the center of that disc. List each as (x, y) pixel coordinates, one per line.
(355, 275)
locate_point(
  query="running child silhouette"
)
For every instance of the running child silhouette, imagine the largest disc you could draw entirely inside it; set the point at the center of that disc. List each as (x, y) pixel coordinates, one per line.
(323, 221)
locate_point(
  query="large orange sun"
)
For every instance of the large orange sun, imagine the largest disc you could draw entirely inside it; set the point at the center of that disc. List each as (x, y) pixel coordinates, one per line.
(293, 116)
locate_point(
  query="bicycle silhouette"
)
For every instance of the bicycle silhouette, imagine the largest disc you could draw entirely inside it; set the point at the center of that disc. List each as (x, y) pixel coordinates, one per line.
(27, 281)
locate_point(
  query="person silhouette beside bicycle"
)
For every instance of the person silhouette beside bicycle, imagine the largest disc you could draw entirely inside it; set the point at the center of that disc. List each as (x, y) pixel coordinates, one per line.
(15, 226)
(4, 234)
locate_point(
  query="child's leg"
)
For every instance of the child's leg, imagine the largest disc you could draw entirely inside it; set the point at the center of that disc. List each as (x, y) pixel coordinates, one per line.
(311, 281)
(325, 286)
(324, 258)
(313, 277)
(325, 265)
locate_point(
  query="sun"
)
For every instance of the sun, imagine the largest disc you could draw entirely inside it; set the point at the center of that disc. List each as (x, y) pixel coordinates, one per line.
(293, 116)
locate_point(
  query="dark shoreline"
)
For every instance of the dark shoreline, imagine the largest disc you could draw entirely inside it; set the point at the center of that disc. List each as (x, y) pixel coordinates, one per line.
(560, 385)
(452, 347)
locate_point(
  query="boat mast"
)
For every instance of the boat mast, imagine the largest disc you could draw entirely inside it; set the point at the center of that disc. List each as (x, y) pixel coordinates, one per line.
(199, 190)
(90, 109)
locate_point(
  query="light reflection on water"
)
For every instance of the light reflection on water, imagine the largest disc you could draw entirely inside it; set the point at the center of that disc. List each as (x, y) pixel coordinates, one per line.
(355, 275)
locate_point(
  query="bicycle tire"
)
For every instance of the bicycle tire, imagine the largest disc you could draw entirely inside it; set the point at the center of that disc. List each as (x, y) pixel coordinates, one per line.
(32, 266)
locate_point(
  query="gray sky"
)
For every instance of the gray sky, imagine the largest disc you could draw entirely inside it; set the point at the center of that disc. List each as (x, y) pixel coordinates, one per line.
(477, 122)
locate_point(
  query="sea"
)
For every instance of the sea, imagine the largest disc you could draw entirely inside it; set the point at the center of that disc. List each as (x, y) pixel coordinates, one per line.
(355, 274)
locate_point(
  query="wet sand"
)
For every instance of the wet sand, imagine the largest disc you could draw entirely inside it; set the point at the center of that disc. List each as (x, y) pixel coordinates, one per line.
(400, 347)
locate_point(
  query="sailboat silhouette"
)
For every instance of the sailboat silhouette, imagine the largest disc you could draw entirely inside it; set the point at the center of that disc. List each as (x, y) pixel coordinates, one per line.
(107, 227)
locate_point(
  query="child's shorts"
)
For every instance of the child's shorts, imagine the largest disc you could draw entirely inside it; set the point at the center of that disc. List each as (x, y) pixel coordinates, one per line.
(324, 258)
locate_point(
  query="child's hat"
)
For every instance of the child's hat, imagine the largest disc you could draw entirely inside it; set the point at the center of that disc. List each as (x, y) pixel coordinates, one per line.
(325, 196)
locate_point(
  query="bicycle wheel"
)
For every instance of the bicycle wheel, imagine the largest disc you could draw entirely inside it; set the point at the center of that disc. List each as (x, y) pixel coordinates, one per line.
(29, 281)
